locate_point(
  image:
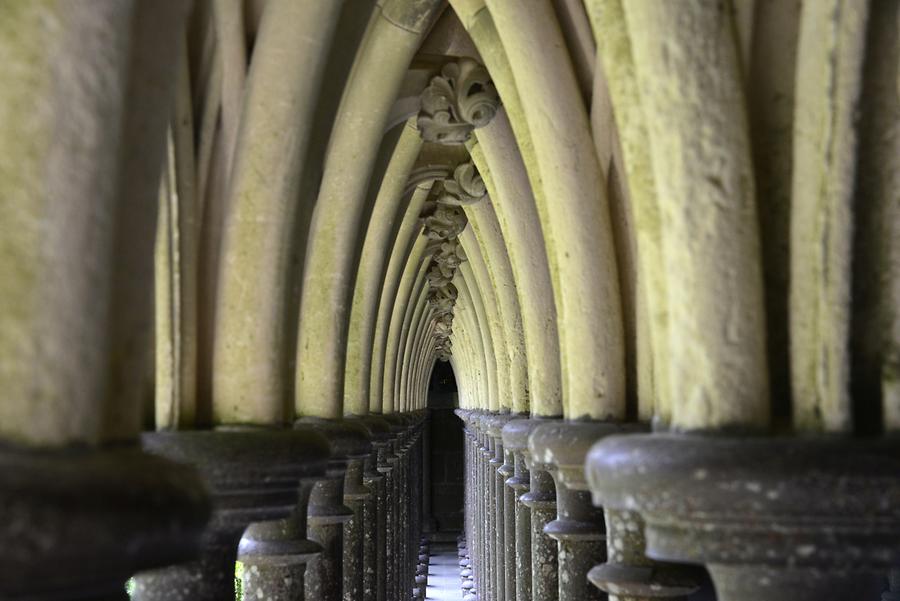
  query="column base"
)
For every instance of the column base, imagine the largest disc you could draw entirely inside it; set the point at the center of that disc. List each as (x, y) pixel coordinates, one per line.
(77, 523)
(579, 527)
(254, 476)
(331, 523)
(772, 518)
(541, 500)
(629, 574)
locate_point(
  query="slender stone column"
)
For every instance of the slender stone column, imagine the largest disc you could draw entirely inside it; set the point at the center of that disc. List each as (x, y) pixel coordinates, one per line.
(541, 499)
(394, 462)
(254, 476)
(628, 574)
(328, 514)
(471, 496)
(488, 584)
(515, 440)
(781, 519)
(374, 508)
(507, 472)
(579, 527)
(355, 497)
(388, 466)
(499, 476)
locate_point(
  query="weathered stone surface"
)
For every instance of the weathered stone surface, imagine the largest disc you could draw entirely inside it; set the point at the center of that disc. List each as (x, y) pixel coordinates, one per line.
(456, 102)
(774, 518)
(629, 574)
(77, 522)
(275, 554)
(253, 476)
(328, 514)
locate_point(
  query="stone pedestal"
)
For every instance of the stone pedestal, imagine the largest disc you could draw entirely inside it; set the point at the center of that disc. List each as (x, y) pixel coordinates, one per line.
(254, 476)
(77, 523)
(781, 519)
(541, 500)
(328, 513)
(275, 554)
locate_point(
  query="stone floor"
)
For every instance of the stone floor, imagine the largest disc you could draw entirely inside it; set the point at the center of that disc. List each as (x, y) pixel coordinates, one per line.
(443, 573)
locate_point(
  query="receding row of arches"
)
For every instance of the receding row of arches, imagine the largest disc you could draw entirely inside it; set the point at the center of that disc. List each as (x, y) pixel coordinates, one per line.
(656, 242)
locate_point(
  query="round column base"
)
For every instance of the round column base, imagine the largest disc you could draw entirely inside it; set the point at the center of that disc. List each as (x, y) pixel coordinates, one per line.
(78, 523)
(771, 518)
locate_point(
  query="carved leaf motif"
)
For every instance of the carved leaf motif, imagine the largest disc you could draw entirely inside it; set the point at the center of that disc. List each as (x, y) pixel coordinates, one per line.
(466, 188)
(444, 221)
(456, 102)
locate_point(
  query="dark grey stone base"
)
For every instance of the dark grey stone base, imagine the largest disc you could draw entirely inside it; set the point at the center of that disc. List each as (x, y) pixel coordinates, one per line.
(77, 523)
(772, 518)
(254, 476)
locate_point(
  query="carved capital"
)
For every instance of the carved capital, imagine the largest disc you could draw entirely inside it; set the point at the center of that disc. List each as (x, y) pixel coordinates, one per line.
(442, 221)
(456, 102)
(465, 188)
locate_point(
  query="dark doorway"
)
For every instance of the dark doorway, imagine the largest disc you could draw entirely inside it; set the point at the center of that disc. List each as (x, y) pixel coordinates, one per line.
(445, 452)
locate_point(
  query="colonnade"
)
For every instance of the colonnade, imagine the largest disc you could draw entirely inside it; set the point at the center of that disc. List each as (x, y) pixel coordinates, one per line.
(656, 241)
(723, 422)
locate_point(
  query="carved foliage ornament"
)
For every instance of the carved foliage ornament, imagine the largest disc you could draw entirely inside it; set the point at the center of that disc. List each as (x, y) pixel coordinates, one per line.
(456, 102)
(466, 188)
(444, 222)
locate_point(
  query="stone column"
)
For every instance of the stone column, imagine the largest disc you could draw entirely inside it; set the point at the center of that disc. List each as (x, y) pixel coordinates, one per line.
(374, 508)
(469, 515)
(388, 466)
(515, 441)
(628, 574)
(328, 514)
(504, 522)
(254, 476)
(781, 519)
(84, 106)
(355, 497)
(579, 527)
(507, 472)
(487, 585)
(541, 500)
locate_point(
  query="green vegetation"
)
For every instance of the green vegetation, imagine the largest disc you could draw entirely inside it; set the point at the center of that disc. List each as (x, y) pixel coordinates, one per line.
(238, 572)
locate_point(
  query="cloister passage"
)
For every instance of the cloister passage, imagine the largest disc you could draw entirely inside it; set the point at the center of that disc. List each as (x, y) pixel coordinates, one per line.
(655, 245)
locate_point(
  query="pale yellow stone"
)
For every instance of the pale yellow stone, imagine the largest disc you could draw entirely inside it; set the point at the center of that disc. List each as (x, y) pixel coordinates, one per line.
(250, 357)
(829, 79)
(615, 54)
(692, 97)
(470, 295)
(335, 231)
(498, 271)
(407, 252)
(390, 206)
(573, 210)
(504, 173)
